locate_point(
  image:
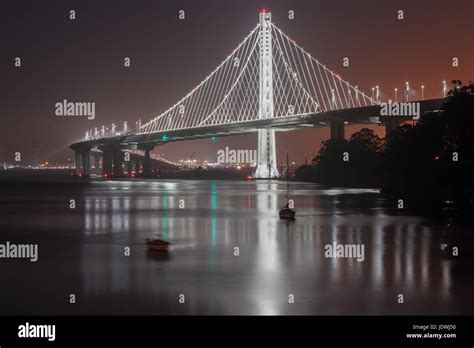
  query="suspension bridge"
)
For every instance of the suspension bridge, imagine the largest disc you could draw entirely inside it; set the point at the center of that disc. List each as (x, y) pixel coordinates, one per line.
(268, 83)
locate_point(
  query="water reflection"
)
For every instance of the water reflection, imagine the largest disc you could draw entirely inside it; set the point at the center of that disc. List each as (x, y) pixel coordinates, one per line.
(276, 258)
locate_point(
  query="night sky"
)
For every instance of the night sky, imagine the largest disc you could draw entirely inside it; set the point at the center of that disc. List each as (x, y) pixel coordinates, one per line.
(82, 60)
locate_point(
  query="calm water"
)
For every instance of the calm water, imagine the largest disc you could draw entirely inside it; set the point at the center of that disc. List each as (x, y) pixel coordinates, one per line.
(81, 251)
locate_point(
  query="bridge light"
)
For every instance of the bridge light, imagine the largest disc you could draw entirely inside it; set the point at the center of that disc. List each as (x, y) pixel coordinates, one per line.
(164, 137)
(213, 138)
(422, 92)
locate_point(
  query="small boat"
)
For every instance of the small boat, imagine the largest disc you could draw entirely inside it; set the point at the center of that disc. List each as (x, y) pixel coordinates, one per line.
(157, 244)
(287, 213)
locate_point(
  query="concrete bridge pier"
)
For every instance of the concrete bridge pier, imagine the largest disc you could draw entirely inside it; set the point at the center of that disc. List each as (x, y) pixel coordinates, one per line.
(86, 162)
(146, 159)
(118, 162)
(107, 160)
(337, 129)
(391, 123)
(78, 161)
(129, 165)
(97, 163)
(137, 165)
(147, 163)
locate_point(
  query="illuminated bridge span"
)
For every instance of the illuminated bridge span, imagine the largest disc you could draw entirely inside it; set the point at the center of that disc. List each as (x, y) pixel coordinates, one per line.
(268, 82)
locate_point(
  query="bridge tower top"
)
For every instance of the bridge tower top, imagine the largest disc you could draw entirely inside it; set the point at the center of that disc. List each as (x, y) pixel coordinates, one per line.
(266, 63)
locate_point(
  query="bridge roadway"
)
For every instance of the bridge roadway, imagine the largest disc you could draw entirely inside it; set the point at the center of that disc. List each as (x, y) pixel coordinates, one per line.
(113, 147)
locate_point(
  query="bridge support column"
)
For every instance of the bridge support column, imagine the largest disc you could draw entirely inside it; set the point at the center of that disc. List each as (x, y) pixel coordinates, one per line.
(86, 163)
(147, 162)
(97, 163)
(391, 123)
(137, 165)
(78, 162)
(118, 162)
(266, 152)
(129, 165)
(337, 129)
(107, 160)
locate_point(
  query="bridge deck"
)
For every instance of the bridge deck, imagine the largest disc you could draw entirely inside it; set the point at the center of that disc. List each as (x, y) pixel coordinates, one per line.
(361, 115)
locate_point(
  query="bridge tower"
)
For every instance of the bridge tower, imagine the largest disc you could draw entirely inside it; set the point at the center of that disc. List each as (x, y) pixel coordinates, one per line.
(266, 152)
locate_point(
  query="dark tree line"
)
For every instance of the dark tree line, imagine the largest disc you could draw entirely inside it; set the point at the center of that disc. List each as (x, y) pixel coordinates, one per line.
(342, 162)
(429, 163)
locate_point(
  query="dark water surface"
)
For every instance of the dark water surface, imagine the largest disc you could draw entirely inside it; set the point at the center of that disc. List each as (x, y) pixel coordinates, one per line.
(81, 251)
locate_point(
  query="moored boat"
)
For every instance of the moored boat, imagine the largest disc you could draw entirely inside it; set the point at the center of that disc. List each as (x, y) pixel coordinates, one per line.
(157, 244)
(287, 213)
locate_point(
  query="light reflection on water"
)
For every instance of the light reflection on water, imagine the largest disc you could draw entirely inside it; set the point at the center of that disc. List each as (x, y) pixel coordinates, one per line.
(276, 258)
(82, 251)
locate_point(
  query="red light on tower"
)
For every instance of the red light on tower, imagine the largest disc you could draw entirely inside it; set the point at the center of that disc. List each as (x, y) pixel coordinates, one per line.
(263, 10)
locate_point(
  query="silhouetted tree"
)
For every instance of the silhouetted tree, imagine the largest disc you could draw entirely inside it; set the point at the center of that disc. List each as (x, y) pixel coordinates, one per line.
(347, 163)
(367, 139)
(432, 163)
